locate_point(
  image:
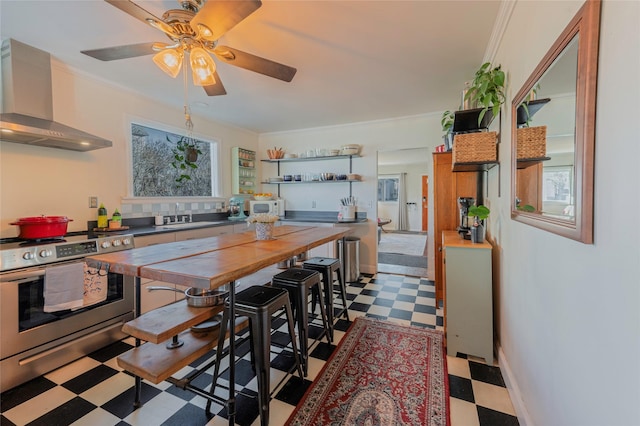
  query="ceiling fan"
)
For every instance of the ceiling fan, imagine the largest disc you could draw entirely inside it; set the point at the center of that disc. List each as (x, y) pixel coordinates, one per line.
(195, 30)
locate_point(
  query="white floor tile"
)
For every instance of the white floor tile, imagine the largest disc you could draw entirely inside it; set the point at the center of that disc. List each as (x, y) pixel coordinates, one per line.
(71, 370)
(108, 389)
(492, 396)
(463, 413)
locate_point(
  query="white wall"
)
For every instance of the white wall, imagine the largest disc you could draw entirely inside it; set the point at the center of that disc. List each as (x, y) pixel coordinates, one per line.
(36, 180)
(568, 314)
(409, 132)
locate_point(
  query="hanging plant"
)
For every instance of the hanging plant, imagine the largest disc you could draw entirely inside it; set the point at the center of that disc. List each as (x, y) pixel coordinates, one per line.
(185, 156)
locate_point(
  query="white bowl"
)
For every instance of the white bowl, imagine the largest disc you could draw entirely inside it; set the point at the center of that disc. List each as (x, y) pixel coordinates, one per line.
(349, 151)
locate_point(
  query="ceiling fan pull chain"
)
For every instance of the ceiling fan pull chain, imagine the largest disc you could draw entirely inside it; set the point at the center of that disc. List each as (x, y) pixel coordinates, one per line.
(187, 110)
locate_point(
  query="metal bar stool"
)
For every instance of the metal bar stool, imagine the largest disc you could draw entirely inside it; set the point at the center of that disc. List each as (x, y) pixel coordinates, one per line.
(299, 283)
(327, 266)
(259, 303)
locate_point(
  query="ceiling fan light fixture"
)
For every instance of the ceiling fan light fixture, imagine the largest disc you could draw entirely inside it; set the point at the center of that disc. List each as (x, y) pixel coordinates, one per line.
(205, 32)
(169, 61)
(202, 67)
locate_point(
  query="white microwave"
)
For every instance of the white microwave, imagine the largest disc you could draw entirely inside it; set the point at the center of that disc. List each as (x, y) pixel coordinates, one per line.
(267, 206)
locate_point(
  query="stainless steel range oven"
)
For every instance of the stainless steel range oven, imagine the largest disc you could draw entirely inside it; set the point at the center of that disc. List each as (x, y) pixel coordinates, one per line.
(38, 337)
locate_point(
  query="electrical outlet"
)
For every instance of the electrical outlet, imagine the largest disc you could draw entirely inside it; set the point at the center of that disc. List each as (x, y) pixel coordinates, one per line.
(93, 202)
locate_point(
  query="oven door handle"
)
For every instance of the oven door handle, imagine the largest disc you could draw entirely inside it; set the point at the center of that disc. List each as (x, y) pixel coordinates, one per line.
(22, 276)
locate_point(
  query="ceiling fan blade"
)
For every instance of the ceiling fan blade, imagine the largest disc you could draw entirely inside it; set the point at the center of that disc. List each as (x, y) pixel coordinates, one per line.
(121, 52)
(139, 13)
(220, 16)
(215, 89)
(255, 63)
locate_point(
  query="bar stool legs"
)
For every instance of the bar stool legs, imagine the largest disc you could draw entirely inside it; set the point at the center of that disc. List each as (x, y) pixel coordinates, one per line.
(327, 267)
(299, 282)
(259, 303)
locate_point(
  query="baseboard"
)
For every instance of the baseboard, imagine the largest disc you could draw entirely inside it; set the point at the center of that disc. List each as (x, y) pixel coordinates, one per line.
(512, 387)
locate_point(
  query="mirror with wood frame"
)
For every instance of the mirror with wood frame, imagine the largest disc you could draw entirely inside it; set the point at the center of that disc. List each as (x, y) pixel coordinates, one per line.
(553, 133)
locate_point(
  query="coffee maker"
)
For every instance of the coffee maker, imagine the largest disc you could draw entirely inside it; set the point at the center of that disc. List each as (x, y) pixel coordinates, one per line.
(465, 221)
(236, 208)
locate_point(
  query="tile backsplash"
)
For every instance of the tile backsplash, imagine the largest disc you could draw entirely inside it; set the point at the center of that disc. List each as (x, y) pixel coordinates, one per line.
(138, 210)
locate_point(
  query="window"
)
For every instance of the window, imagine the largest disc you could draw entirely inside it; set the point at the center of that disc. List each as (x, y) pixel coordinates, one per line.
(388, 189)
(153, 174)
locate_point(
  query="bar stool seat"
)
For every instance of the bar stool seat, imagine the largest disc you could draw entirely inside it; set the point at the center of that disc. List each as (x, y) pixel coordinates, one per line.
(327, 266)
(299, 283)
(259, 303)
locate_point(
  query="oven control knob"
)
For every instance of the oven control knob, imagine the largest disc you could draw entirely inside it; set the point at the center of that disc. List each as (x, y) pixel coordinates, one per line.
(116, 243)
(46, 253)
(27, 256)
(105, 244)
(126, 241)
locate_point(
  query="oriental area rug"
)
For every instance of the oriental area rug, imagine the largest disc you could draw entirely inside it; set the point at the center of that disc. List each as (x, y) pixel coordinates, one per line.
(382, 374)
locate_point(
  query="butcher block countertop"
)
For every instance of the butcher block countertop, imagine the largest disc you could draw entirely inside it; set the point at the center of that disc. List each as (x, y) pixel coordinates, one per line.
(211, 262)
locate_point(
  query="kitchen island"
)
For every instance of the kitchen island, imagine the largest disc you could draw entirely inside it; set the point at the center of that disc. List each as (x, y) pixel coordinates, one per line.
(206, 263)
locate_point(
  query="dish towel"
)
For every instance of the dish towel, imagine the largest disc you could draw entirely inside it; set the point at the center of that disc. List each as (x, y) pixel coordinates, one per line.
(95, 286)
(63, 287)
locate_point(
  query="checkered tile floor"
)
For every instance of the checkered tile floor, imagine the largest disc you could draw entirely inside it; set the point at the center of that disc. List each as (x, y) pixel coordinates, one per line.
(95, 391)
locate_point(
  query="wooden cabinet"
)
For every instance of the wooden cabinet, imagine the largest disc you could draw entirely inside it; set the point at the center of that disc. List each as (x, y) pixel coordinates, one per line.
(447, 187)
(469, 301)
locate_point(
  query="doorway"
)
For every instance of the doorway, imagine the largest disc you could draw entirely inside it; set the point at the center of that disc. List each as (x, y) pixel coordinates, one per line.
(402, 211)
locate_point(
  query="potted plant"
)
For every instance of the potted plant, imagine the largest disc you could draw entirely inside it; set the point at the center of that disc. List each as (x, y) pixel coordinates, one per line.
(185, 155)
(447, 126)
(487, 90)
(264, 224)
(480, 213)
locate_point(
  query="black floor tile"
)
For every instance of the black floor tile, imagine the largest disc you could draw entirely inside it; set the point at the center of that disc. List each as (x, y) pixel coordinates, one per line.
(461, 388)
(26, 391)
(293, 390)
(89, 379)
(244, 372)
(488, 417)
(400, 314)
(65, 414)
(372, 293)
(342, 325)
(323, 351)
(406, 298)
(360, 307)
(424, 309)
(189, 415)
(122, 405)
(425, 293)
(387, 303)
(111, 351)
(246, 408)
(486, 373)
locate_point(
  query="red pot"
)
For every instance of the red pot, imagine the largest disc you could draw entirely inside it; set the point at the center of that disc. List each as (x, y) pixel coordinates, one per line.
(41, 227)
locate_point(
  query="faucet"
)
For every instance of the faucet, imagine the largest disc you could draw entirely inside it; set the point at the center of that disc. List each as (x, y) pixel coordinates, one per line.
(175, 217)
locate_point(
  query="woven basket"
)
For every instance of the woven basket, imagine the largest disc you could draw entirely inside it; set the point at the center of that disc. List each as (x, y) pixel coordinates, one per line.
(475, 147)
(532, 142)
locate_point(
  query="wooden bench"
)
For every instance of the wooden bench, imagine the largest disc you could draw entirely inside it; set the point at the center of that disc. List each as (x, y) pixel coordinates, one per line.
(152, 360)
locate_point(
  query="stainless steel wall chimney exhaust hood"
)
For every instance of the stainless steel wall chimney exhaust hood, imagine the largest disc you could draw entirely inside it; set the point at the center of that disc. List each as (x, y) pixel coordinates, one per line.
(27, 103)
